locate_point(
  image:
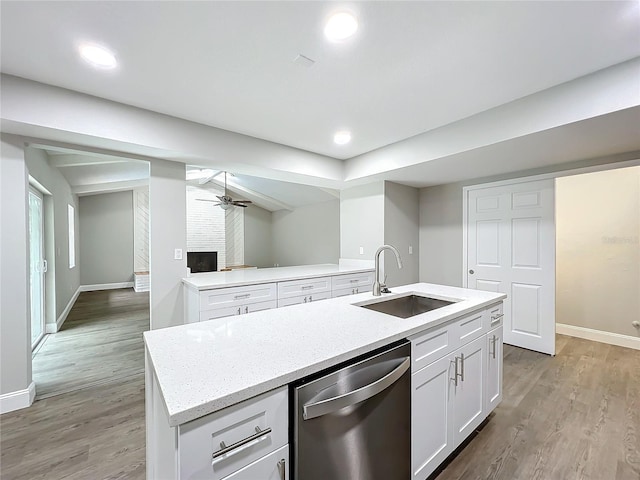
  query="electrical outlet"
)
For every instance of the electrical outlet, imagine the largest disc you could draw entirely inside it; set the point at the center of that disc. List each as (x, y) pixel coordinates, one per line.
(410, 249)
(177, 254)
(361, 250)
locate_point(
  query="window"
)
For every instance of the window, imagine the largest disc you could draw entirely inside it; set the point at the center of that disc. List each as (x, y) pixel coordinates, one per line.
(72, 237)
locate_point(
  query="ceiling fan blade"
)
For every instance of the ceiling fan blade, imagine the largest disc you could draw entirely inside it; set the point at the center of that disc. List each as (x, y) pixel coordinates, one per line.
(243, 201)
(221, 198)
(205, 200)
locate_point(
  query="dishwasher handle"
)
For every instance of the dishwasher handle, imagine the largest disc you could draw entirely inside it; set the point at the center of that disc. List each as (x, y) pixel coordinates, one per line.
(323, 407)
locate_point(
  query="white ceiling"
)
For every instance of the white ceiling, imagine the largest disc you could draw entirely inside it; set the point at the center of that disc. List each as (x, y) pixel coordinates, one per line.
(412, 67)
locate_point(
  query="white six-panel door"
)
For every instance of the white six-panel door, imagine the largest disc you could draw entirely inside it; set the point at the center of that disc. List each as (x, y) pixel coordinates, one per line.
(511, 249)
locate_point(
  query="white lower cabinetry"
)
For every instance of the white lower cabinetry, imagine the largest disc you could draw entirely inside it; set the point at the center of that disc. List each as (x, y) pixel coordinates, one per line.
(469, 390)
(456, 391)
(246, 441)
(270, 467)
(204, 305)
(494, 369)
(431, 421)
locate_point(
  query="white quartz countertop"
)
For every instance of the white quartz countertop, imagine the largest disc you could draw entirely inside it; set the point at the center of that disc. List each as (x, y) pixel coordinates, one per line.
(204, 367)
(252, 276)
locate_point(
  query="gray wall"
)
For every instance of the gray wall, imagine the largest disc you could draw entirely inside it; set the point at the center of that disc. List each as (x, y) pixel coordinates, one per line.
(15, 328)
(106, 238)
(598, 250)
(441, 220)
(401, 219)
(167, 224)
(258, 237)
(361, 220)
(67, 280)
(307, 235)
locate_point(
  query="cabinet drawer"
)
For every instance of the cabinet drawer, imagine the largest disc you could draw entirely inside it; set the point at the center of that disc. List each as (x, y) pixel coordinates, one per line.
(269, 467)
(494, 316)
(236, 296)
(470, 327)
(361, 280)
(200, 440)
(429, 346)
(297, 288)
(311, 297)
(343, 292)
(236, 310)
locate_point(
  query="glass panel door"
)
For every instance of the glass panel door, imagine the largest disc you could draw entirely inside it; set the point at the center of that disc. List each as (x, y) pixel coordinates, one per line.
(36, 266)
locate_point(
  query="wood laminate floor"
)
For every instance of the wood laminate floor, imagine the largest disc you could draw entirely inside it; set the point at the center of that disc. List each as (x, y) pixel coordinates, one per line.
(100, 341)
(573, 416)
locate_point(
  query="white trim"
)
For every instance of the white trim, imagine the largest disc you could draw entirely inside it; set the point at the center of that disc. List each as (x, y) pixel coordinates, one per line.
(105, 286)
(53, 328)
(599, 336)
(18, 399)
(465, 221)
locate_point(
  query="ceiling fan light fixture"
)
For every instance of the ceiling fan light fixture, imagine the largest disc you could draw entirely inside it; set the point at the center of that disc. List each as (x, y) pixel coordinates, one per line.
(225, 206)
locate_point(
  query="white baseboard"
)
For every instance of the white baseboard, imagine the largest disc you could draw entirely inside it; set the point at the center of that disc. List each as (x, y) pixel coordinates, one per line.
(599, 336)
(55, 327)
(18, 399)
(105, 286)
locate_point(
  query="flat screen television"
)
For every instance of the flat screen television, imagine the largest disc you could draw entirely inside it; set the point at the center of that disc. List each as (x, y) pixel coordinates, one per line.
(202, 261)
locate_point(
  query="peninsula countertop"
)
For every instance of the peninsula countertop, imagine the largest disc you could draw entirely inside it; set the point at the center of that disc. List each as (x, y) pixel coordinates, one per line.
(234, 278)
(207, 366)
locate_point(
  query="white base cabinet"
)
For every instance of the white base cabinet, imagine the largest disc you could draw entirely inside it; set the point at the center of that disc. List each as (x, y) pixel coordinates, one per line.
(494, 369)
(456, 382)
(246, 441)
(204, 305)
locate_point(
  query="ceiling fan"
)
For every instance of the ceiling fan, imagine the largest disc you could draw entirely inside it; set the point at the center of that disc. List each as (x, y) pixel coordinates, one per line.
(225, 201)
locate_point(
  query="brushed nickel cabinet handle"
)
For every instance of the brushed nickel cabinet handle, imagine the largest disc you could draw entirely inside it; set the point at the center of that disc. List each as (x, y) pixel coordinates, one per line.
(226, 449)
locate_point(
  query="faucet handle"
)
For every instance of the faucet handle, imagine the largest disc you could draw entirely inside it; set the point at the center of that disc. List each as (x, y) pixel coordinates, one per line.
(384, 281)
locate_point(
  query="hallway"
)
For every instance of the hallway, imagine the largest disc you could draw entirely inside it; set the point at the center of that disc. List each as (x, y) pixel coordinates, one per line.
(100, 342)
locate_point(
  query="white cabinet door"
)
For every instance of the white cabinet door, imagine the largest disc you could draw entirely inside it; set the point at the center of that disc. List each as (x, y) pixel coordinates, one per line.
(494, 369)
(274, 466)
(431, 417)
(511, 249)
(467, 387)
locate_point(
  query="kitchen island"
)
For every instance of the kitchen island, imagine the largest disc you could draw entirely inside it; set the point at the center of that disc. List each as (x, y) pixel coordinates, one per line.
(197, 373)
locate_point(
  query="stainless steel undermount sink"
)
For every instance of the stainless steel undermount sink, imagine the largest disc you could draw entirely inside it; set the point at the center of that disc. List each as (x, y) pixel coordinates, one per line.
(407, 306)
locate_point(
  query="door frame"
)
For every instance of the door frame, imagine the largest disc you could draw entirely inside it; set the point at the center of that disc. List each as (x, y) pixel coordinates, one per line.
(517, 180)
(32, 190)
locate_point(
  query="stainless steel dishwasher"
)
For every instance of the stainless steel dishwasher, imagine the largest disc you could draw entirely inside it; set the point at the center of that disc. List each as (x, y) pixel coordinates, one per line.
(354, 423)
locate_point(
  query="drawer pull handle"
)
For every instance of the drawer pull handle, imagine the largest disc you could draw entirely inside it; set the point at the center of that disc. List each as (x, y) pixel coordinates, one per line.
(224, 449)
(497, 317)
(307, 287)
(493, 344)
(240, 297)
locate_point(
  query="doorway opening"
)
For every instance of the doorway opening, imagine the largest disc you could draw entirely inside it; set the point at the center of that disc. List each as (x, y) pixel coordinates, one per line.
(599, 244)
(93, 334)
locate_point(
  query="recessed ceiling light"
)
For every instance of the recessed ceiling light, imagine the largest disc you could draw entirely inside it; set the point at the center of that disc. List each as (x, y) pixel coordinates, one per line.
(342, 137)
(98, 56)
(340, 26)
